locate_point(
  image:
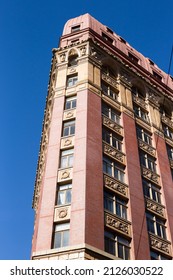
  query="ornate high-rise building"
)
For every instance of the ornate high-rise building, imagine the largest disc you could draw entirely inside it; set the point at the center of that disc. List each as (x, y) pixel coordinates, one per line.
(104, 183)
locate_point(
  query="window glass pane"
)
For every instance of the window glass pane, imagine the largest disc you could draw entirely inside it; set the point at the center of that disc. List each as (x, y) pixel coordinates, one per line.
(57, 240)
(61, 197)
(68, 196)
(65, 238)
(63, 162)
(66, 131)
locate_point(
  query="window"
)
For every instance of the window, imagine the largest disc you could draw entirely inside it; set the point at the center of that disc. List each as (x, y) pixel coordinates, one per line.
(139, 112)
(70, 103)
(157, 256)
(117, 245)
(69, 128)
(170, 152)
(107, 38)
(151, 191)
(110, 113)
(72, 61)
(75, 28)
(61, 236)
(156, 225)
(107, 90)
(144, 136)
(167, 131)
(115, 205)
(72, 81)
(64, 194)
(148, 161)
(157, 76)
(136, 91)
(113, 169)
(112, 139)
(67, 158)
(133, 58)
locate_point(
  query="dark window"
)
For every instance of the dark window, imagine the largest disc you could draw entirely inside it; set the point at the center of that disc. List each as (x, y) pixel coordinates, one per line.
(151, 191)
(109, 30)
(107, 38)
(108, 90)
(156, 225)
(167, 131)
(112, 139)
(117, 246)
(113, 169)
(110, 113)
(144, 135)
(75, 28)
(133, 58)
(115, 205)
(72, 80)
(157, 76)
(72, 61)
(157, 256)
(139, 112)
(148, 161)
(170, 152)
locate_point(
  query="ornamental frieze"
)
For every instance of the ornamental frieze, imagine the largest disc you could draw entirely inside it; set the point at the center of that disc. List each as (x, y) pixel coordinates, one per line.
(144, 146)
(154, 207)
(153, 98)
(150, 175)
(115, 185)
(111, 124)
(167, 121)
(161, 245)
(116, 223)
(113, 153)
(64, 174)
(109, 80)
(62, 213)
(139, 101)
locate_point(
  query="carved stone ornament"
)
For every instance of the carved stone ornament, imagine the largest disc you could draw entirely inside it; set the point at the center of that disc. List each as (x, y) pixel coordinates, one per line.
(151, 205)
(126, 77)
(159, 244)
(113, 184)
(67, 142)
(139, 101)
(113, 152)
(62, 57)
(167, 121)
(146, 147)
(65, 174)
(154, 98)
(150, 175)
(109, 80)
(112, 125)
(62, 213)
(83, 50)
(69, 115)
(116, 223)
(95, 54)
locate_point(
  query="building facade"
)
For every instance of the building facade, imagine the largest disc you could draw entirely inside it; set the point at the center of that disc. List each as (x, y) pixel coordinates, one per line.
(104, 183)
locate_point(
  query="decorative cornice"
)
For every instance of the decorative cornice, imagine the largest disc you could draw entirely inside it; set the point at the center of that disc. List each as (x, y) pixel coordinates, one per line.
(139, 101)
(111, 81)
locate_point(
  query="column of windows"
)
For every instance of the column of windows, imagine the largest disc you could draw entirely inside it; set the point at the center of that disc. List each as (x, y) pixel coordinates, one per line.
(115, 203)
(155, 217)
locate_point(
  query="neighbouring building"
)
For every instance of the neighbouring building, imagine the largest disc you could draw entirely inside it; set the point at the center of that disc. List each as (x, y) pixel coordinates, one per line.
(104, 182)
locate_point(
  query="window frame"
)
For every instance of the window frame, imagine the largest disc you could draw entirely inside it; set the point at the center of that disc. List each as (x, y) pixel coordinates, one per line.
(148, 161)
(72, 80)
(109, 91)
(115, 205)
(72, 101)
(168, 132)
(144, 136)
(111, 113)
(141, 113)
(151, 191)
(60, 230)
(110, 138)
(113, 169)
(68, 128)
(63, 192)
(69, 156)
(156, 225)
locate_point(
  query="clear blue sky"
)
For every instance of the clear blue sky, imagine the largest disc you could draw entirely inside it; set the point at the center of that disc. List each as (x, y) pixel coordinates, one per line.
(29, 29)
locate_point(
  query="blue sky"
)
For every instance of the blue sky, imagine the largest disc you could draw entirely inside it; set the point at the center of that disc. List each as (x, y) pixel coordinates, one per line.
(28, 31)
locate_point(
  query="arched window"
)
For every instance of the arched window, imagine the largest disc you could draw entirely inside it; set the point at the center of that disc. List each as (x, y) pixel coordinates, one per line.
(73, 60)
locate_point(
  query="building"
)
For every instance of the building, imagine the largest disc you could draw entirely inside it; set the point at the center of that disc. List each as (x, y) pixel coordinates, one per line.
(104, 186)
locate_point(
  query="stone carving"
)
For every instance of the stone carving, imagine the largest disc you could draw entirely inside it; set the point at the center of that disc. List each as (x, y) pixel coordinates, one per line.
(69, 115)
(151, 205)
(112, 125)
(139, 101)
(67, 142)
(117, 186)
(62, 213)
(65, 174)
(114, 153)
(150, 175)
(146, 147)
(167, 121)
(83, 50)
(109, 80)
(116, 223)
(153, 98)
(159, 244)
(62, 57)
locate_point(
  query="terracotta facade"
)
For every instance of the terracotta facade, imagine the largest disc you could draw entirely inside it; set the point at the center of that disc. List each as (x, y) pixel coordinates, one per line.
(103, 186)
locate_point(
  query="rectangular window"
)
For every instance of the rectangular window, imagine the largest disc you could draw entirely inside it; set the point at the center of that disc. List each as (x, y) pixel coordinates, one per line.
(107, 38)
(72, 80)
(167, 131)
(110, 113)
(70, 103)
(157, 76)
(151, 191)
(117, 246)
(67, 158)
(112, 139)
(68, 128)
(61, 236)
(75, 28)
(170, 152)
(139, 112)
(113, 169)
(109, 91)
(144, 136)
(115, 205)
(133, 58)
(156, 225)
(64, 194)
(157, 256)
(148, 161)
